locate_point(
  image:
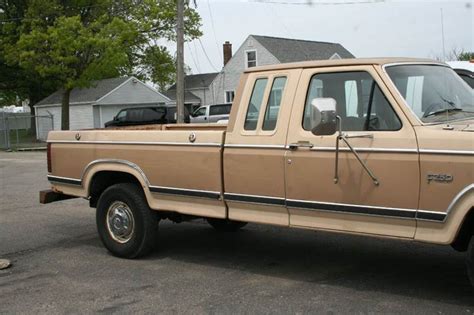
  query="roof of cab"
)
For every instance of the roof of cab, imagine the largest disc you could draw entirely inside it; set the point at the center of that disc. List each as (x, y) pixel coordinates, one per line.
(341, 62)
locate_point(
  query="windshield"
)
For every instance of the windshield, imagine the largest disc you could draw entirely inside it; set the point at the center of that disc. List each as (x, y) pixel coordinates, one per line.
(435, 93)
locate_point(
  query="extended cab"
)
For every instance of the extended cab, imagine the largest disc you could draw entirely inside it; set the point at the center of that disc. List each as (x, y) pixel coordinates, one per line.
(379, 147)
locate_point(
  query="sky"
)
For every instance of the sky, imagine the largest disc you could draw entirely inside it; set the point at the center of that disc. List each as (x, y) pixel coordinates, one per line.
(367, 28)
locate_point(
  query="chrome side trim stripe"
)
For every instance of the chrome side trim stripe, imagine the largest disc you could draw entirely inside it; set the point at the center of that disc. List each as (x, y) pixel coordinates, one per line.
(431, 216)
(446, 152)
(185, 192)
(203, 144)
(256, 146)
(377, 150)
(354, 209)
(65, 180)
(255, 199)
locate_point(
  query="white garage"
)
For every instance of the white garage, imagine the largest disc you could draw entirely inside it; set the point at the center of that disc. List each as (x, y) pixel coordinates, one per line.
(93, 107)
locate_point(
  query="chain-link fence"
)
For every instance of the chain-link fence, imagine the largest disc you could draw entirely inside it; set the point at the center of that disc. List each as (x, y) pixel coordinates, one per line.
(23, 130)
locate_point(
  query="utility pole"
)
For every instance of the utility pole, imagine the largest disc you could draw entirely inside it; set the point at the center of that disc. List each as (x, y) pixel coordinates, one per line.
(442, 34)
(180, 61)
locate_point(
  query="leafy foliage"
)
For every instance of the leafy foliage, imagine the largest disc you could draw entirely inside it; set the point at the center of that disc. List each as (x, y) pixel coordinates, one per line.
(72, 43)
(465, 56)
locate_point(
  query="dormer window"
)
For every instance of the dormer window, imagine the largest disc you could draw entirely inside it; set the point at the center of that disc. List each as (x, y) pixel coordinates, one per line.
(251, 58)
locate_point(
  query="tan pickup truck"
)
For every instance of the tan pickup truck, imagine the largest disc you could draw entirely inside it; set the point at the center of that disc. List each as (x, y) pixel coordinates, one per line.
(380, 147)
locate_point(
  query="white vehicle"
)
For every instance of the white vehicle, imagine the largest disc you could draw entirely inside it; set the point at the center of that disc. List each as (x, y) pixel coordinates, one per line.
(211, 113)
(465, 69)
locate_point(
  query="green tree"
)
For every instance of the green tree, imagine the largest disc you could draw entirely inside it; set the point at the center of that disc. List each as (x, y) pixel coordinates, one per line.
(465, 56)
(17, 83)
(75, 42)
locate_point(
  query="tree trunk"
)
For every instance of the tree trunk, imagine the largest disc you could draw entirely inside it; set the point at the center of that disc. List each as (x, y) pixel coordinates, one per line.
(65, 110)
(32, 130)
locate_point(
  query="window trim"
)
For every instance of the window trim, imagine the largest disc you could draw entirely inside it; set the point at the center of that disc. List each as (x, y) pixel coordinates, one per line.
(352, 71)
(247, 58)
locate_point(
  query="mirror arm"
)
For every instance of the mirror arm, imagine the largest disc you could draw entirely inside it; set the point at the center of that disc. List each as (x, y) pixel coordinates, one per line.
(342, 136)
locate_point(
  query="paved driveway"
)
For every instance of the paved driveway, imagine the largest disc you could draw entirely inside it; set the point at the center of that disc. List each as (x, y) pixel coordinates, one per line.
(59, 265)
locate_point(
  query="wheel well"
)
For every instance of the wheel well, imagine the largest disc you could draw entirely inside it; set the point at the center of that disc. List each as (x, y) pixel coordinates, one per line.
(104, 179)
(461, 241)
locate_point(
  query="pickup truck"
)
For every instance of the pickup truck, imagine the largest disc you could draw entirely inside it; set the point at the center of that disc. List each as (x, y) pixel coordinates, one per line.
(378, 147)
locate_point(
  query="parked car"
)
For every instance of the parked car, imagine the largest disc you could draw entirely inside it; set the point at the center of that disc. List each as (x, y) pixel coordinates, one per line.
(145, 116)
(334, 145)
(465, 69)
(211, 113)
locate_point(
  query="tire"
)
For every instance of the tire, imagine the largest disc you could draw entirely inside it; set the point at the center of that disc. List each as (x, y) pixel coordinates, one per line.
(224, 225)
(470, 261)
(127, 227)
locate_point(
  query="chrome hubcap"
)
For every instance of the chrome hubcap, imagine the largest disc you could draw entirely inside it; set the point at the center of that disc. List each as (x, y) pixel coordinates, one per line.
(120, 222)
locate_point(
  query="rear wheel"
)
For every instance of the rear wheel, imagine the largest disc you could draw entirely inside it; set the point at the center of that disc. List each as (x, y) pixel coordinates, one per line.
(470, 260)
(225, 225)
(127, 226)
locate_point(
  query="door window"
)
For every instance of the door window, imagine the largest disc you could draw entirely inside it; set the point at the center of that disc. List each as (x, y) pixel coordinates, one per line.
(359, 101)
(122, 115)
(255, 104)
(200, 112)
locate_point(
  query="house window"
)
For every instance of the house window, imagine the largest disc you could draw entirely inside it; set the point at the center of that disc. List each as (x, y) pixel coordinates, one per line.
(229, 96)
(251, 58)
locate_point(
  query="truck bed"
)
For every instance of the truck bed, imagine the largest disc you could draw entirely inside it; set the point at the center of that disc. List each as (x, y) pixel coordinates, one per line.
(164, 160)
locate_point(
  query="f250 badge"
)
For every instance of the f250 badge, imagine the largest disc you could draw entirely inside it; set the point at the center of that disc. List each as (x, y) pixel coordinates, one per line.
(440, 178)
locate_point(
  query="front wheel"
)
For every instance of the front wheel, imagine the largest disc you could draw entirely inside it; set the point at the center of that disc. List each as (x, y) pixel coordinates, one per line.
(470, 261)
(126, 225)
(224, 225)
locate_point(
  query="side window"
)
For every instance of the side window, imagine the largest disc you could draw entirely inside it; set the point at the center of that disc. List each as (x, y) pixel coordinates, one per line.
(121, 115)
(255, 104)
(135, 115)
(219, 110)
(359, 101)
(274, 102)
(200, 112)
(153, 114)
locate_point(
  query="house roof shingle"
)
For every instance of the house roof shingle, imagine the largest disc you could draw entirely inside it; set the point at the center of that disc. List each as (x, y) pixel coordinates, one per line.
(188, 96)
(195, 81)
(292, 50)
(85, 95)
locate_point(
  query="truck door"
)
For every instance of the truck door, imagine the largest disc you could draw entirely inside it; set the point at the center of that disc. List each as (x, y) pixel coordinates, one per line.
(377, 129)
(254, 152)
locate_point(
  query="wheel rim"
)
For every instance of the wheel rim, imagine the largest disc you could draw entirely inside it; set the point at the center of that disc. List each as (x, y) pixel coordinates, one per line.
(120, 222)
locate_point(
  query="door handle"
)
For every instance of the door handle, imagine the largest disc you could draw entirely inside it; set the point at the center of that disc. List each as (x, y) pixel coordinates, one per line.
(300, 144)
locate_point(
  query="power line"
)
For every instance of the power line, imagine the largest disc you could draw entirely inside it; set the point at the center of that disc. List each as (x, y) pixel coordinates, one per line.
(213, 28)
(314, 2)
(192, 57)
(205, 53)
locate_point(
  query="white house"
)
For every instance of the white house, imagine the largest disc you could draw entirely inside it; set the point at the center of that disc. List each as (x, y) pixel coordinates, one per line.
(92, 107)
(259, 50)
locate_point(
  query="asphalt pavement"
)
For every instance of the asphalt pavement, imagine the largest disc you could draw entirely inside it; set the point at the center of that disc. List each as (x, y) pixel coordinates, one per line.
(60, 266)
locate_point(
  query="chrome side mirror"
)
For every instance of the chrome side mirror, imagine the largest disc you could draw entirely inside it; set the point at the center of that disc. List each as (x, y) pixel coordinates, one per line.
(323, 116)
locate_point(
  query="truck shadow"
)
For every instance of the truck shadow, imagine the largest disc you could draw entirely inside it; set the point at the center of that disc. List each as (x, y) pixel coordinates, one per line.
(363, 263)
